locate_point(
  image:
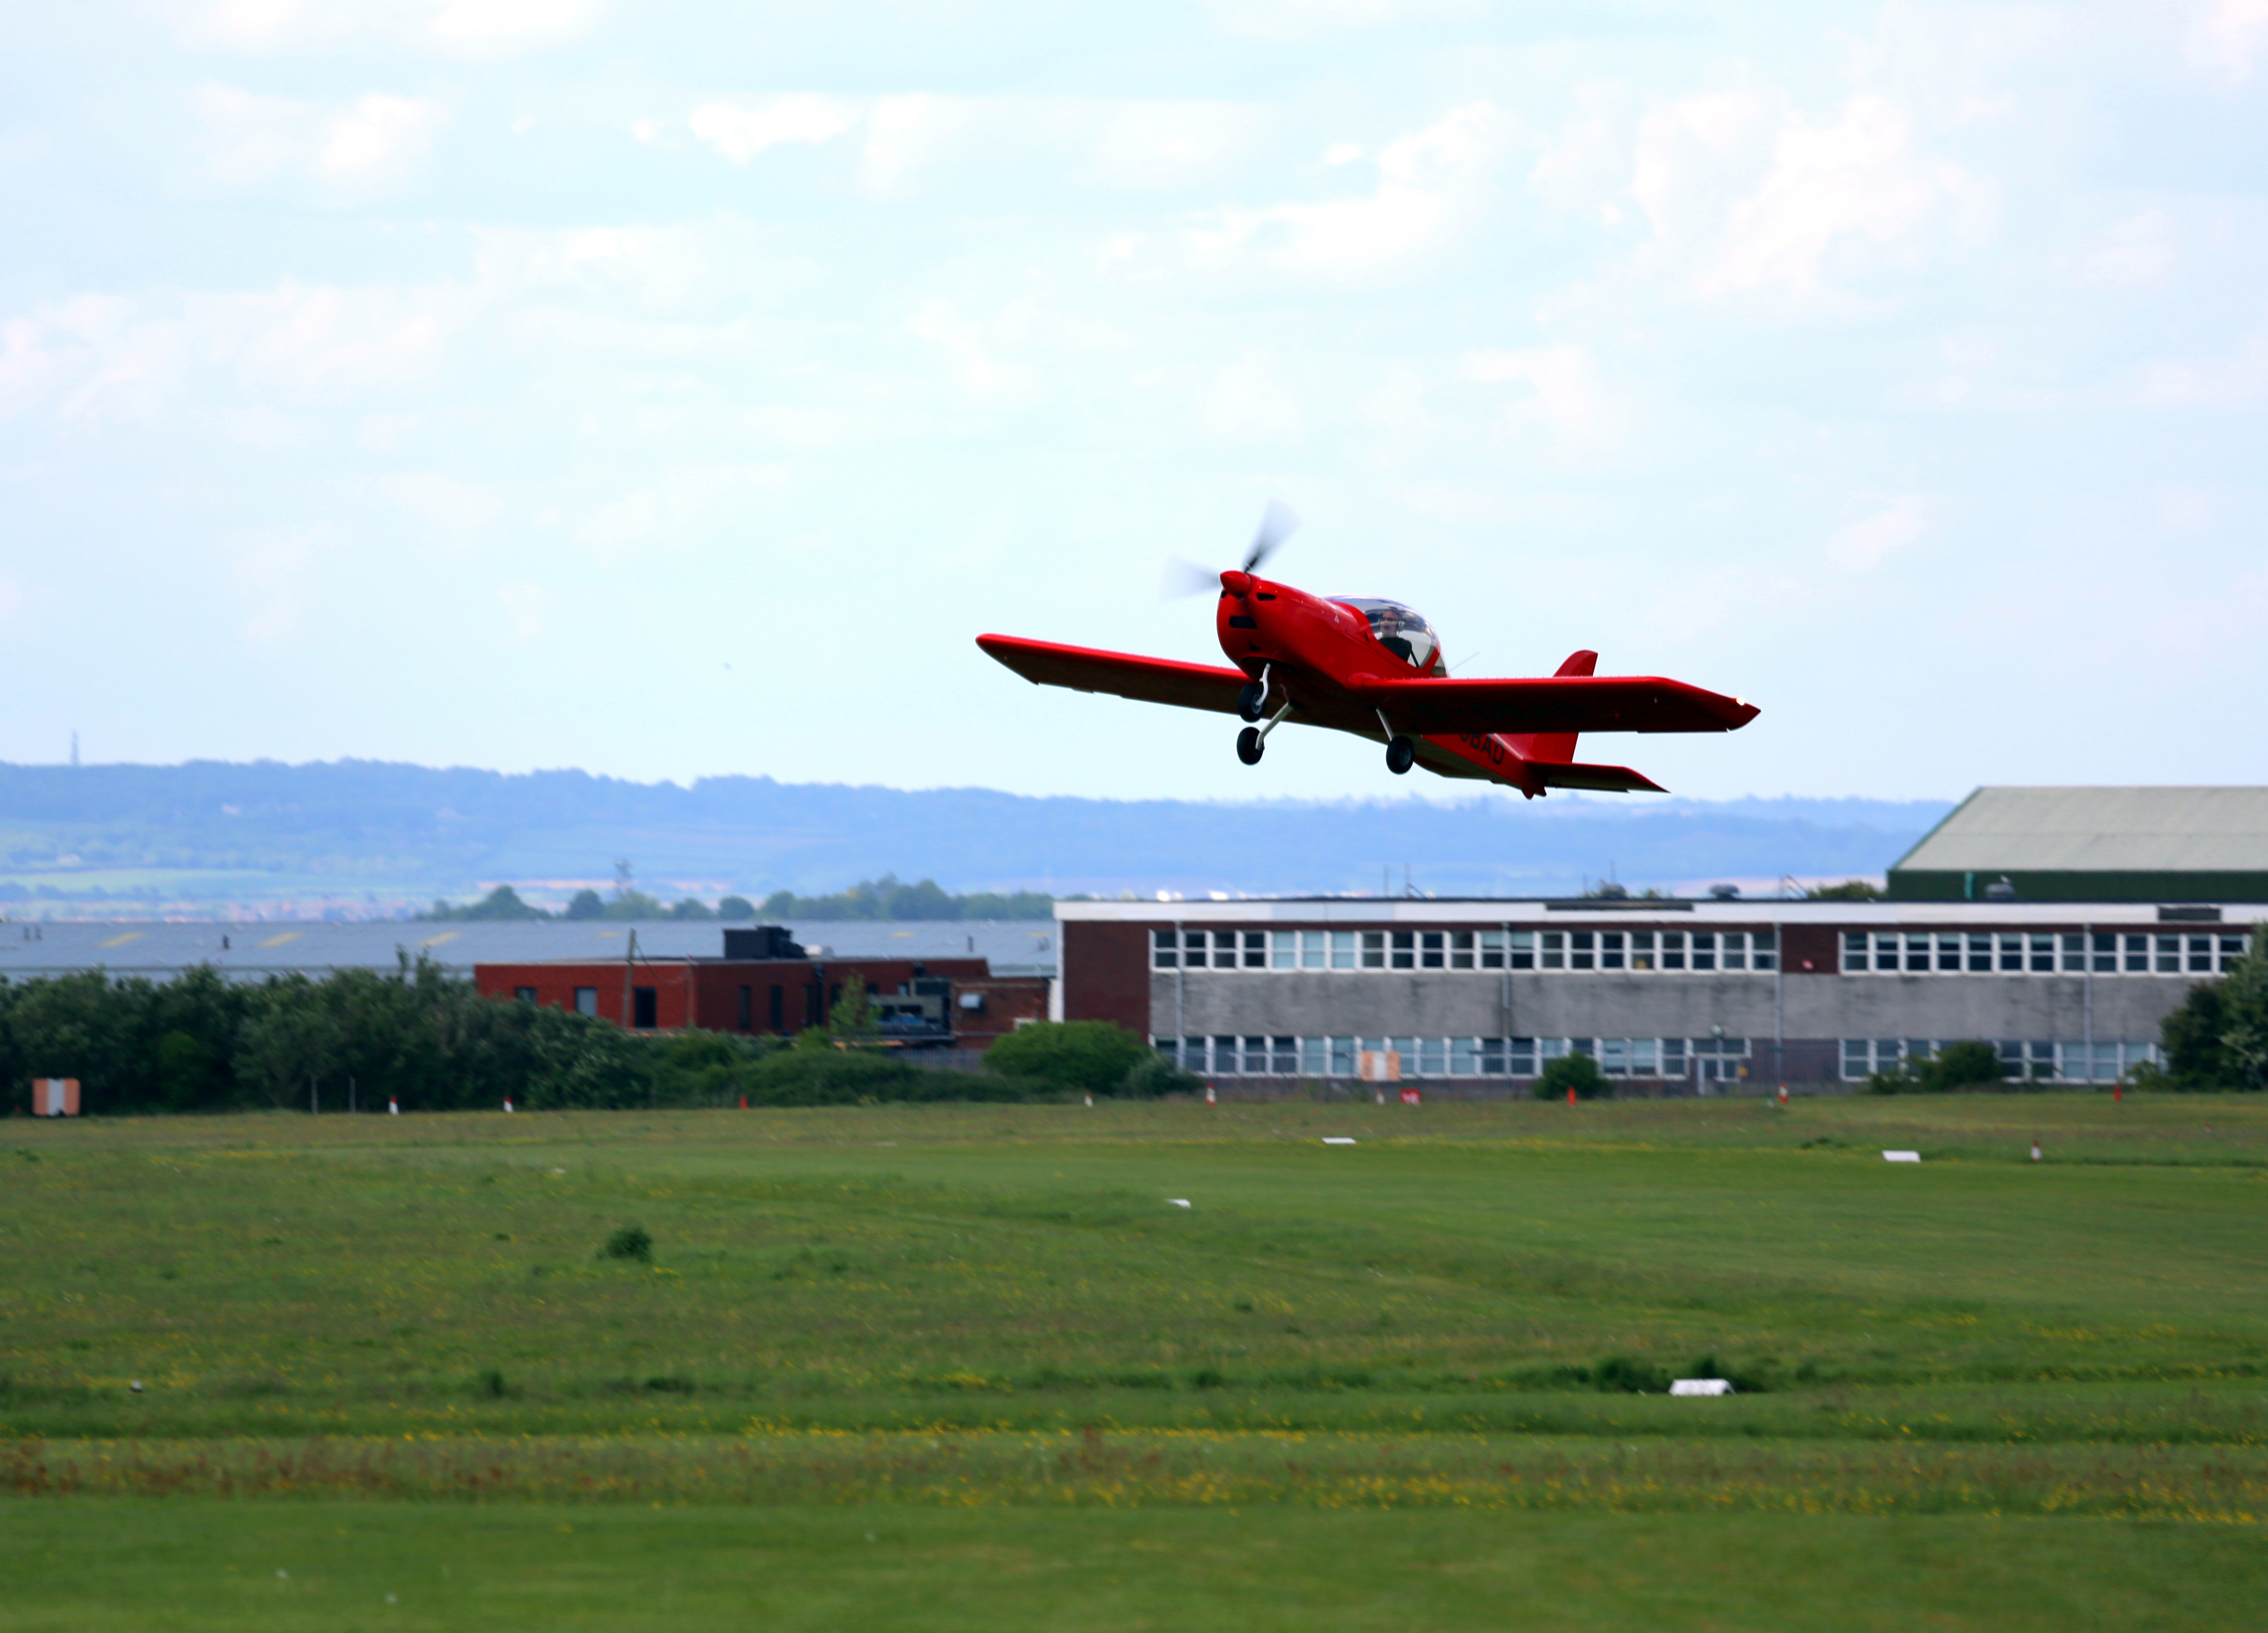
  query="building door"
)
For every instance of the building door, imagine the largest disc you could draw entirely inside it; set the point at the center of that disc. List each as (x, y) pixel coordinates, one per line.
(642, 1007)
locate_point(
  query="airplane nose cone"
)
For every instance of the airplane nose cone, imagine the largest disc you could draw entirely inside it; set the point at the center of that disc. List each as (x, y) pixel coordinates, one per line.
(1238, 584)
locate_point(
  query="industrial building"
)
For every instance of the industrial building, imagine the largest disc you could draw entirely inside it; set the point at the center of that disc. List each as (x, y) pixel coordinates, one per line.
(766, 982)
(1670, 995)
(2093, 845)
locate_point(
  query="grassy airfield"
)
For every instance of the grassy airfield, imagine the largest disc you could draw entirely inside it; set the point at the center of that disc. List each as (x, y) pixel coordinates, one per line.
(968, 1366)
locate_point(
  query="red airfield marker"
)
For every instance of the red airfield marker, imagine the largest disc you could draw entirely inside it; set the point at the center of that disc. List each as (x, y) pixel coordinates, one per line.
(1570, 1096)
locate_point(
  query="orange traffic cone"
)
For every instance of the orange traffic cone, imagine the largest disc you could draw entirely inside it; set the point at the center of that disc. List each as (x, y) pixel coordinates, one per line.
(744, 1103)
(1570, 1096)
(1210, 1099)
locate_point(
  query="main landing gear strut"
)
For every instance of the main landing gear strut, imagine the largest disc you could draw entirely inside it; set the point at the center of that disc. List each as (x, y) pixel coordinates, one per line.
(1252, 742)
(1400, 753)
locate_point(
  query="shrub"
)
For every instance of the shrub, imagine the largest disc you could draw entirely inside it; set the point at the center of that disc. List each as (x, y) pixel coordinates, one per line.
(1969, 1064)
(825, 1076)
(1623, 1375)
(630, 1241)
(2218, 1039)
(1154, 1076)
(1091, 1055)
(1578, 1072)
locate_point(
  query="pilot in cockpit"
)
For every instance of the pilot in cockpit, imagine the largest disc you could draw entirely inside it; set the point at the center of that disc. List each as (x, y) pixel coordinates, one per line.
(1402, 632)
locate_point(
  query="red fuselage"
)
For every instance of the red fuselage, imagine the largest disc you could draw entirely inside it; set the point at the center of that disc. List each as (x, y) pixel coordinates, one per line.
(1313, 650)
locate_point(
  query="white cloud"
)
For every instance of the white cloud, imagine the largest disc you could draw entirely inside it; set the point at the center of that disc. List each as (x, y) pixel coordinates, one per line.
(1320, 19)
(1722, 229)
(2134, 252)
(373, 144)
(1858, 178)
(679, 511)
(1431, 183)
(741, 130)
(271, 571)
(1864, 544)
(1151, 146)
(1247, 403)
(442, 503)
(1586, 168)
(455, 28)
(907, 135)
(2226, 38)
(2237, 379)
(527, 607)
(1564, 396)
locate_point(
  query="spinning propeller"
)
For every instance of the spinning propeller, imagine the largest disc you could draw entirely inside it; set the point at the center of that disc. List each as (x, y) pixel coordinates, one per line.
(1187, 577)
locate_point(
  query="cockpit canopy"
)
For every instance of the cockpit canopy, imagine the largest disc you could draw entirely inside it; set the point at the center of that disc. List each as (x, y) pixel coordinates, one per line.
(1401, 630)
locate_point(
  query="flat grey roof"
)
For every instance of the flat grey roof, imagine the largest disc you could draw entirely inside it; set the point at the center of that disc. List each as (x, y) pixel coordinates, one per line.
(2099, 830)
(255, 951)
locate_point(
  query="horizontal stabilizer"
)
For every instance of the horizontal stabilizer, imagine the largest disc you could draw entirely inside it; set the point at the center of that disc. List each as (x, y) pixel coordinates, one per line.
(1596, 778)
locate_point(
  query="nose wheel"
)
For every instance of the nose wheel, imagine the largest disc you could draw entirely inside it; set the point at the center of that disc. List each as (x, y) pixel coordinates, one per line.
(1250, 702)
(1401, 755)
(1250, 747)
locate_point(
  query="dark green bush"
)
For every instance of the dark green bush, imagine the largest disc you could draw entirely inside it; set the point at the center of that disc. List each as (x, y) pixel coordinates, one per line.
(2218, 1039)
(1578, 1072)
(1970, 1064)
(1094, 1056)
(1625, 1375)
(1154, 1076)
(630, 1241)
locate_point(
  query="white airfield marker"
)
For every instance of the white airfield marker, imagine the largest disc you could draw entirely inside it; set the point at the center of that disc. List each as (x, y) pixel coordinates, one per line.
(1177, 1201)
(1901, 1156)
(1338, 1138)
(1700, 1387)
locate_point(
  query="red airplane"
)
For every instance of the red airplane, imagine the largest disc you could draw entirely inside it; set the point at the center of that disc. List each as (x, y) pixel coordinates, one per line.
(1375, 667)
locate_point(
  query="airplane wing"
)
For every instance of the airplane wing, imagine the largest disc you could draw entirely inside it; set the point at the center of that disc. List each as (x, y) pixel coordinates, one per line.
(1560, 703)
(1145, 680)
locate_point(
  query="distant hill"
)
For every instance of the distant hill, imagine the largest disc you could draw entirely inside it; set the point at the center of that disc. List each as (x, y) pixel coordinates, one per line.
(352, 837)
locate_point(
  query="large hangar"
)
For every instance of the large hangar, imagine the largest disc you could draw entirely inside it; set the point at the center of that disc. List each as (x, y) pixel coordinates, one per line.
(1670, 995)
(2093, 845)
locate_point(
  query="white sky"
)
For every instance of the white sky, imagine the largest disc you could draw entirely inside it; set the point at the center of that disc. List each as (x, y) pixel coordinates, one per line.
(471, 381)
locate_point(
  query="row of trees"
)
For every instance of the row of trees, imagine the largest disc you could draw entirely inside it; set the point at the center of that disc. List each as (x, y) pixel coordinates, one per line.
(427, 1038)
(887, 898)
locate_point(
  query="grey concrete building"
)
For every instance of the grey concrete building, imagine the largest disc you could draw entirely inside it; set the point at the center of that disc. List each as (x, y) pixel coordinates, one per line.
(2094, 845)
(1677, 994)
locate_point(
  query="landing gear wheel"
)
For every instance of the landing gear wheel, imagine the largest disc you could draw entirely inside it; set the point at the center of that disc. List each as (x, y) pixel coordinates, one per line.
(1252, 701)
(1248, 746)
(1401, 755)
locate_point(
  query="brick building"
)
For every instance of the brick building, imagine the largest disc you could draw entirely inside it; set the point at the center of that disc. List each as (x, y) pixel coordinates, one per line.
(764, 982)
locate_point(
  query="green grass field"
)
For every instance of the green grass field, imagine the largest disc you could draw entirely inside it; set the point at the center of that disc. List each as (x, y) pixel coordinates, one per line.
(1410, 1382)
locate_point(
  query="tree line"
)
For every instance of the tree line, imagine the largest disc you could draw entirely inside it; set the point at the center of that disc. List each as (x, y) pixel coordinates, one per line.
(887, 898)
(427, 1039)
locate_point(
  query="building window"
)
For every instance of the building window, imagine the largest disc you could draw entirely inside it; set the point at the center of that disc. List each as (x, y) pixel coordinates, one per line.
(1520, 950)
(1374, 949)
(2012, 955)
(1343, 1053)
(1343, 950)
(1705, 949)
(748, 1009)
(1165, 950)
(2074, 955)
(779, 1008)
(1980, 954)
(1405, 951)
(1641, 950)
(2231, 948)
(2169, 955)
(1194, 943)
(1673, 949)
(1432, 950)
(524, 995)
(1461, 950)
(586, 1000)
(1581, 949)
(1610, 949)
(1256, 950)
(1520, 1057)
(2200, 955)
(642, 1007)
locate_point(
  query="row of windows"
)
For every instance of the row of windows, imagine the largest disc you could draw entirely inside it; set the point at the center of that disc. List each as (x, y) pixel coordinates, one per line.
(1445, 1057)
(2064, 1060)
(1465, 950)
(1976, 952)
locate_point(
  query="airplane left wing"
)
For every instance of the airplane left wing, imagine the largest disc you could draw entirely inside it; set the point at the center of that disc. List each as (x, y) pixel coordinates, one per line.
(1121, 674)
(1561, 703)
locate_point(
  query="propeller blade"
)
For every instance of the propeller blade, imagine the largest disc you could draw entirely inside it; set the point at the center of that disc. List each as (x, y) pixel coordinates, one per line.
(1277, 524)
(1184, 576)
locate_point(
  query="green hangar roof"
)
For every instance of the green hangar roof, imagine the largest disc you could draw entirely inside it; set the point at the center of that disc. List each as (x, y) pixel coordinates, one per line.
(2102, 845)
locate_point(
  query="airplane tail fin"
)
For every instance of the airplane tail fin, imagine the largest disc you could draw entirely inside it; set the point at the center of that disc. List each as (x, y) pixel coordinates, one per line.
(1558, 746)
